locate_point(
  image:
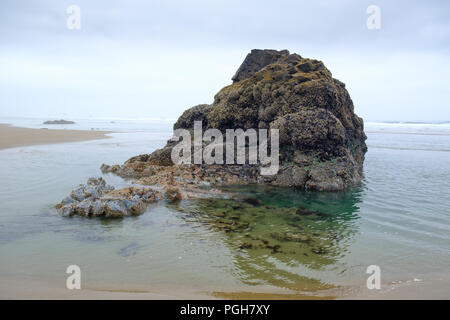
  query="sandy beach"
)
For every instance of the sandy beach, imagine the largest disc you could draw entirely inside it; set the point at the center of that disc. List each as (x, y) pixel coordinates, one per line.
(12, 137)
(31, 288)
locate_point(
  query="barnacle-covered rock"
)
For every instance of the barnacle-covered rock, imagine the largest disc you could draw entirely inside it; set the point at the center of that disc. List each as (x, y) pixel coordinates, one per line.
(322, 141)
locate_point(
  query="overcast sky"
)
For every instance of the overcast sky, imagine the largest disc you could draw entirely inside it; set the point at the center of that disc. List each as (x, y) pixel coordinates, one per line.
(154, 59)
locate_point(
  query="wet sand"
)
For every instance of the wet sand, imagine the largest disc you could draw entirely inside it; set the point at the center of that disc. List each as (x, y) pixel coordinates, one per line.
(12, 137)
(38, 289)
(437, 288)
(31, 288)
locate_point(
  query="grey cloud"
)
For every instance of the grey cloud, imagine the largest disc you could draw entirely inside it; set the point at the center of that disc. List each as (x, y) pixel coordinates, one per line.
(137, 53)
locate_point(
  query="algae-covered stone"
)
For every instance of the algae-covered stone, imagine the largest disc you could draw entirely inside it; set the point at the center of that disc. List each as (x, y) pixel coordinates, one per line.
(322, 141)
(115, 209)
(97, 199)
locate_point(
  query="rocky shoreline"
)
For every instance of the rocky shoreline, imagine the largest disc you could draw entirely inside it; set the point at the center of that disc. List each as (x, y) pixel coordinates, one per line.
(321, 140)
(96, 198)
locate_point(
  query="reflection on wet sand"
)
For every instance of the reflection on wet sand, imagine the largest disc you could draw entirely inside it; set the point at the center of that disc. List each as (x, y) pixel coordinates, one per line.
(278, 236)
(267, 296)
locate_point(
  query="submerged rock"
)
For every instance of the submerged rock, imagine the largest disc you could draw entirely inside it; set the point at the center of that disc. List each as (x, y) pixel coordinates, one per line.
(253, 201)
(129, 250)
(322, 141)
(290, 237)
(96, 198)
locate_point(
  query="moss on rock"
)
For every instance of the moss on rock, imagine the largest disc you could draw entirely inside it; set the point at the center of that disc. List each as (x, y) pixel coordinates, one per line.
(322, 141)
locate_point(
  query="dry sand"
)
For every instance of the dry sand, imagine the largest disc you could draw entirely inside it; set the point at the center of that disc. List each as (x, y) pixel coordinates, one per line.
(11, 137)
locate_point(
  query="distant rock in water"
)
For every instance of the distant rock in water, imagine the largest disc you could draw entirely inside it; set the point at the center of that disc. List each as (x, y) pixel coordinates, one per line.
(322, 141)
(62, 121)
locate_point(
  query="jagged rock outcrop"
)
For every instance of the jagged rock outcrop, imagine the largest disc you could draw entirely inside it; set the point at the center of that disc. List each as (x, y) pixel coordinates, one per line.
(96, 199)
(322, 141)
(255, 61)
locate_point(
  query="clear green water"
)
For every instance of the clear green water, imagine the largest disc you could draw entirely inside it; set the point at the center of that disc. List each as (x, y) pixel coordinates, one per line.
(398, 218)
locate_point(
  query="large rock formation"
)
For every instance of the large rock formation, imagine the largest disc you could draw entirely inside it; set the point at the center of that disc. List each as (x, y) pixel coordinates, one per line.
(322, 142)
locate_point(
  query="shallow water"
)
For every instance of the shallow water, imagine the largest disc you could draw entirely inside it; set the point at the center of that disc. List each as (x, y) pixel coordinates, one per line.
(260, 239)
